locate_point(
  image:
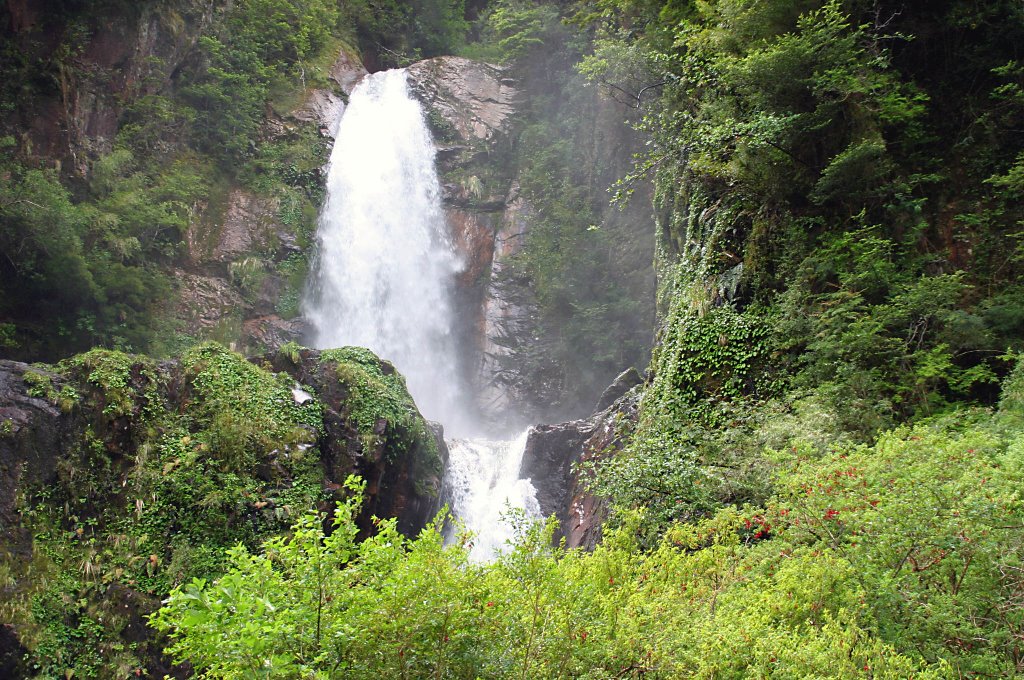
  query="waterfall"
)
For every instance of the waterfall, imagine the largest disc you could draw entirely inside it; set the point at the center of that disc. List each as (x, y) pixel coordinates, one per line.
(482, 483)
(385, 262)
(383, 279)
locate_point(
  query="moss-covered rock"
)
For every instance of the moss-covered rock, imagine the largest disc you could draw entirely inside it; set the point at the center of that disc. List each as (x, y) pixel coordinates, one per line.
(121, 476)
(378, 433)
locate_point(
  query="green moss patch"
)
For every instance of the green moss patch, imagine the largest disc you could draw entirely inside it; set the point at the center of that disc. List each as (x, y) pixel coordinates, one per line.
(379, 405)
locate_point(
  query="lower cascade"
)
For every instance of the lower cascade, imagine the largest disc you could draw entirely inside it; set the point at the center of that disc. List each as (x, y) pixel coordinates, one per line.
(482, 484)
(383, 279)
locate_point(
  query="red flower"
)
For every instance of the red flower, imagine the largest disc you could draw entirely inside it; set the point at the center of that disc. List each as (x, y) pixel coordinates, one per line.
(830, 513)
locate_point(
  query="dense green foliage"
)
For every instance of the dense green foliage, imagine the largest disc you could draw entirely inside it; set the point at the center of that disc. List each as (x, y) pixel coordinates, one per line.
(814, 487)
(78, 275)
(823, 480)
(844, 572)
(832, 178)
(399, 33)
(171, 465)
(150, 496)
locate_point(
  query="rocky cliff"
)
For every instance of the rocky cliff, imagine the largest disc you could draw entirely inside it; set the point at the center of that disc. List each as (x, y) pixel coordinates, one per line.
(99, 67)
(472, 109)
(247, 258)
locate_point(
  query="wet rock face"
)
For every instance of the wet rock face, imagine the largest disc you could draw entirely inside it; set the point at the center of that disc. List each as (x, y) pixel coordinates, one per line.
(501, 315)
(586, 512)
(234, 282)
(553, 450)
(622, 384)
(120, 56)
(547, 460)
(471, 110)
(33, 432)
(475, 99)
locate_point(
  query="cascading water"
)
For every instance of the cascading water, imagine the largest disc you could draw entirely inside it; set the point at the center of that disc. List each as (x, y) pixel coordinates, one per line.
(383, 280)
(385, 261)
(483, 483)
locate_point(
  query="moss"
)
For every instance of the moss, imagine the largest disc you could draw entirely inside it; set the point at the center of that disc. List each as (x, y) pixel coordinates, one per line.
(292, 351)
(294, 271)
(119, 384)
(40, 385)
(378, 395)
(216, 456)
(249, 411)
(217, 453)
(442, 128)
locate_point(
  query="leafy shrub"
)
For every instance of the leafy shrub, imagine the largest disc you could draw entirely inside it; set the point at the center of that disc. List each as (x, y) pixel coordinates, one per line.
(895, 560)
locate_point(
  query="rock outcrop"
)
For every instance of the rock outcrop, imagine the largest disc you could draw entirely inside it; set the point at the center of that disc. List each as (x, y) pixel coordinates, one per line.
(102, 461)
(245, 248)
(553, 451)
(406, 487)
(476, 100)
(35, 432)
(112, 61)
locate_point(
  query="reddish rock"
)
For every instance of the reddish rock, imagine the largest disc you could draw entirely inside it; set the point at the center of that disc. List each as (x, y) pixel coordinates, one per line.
(24, 15)
(120, 55)
(270, 332)
(205, 302)
(473, 237)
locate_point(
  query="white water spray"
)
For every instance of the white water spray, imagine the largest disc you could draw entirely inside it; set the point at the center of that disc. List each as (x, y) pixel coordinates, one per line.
(385, 261)
(383, 280)
(483, 485)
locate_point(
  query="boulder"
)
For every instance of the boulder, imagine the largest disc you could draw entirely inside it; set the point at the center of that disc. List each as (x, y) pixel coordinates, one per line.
(547, 461)
(100, 417)
(407, 487)
(553, 451)
(623, 383)
(265, 333)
